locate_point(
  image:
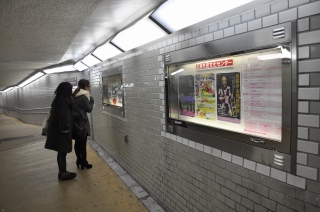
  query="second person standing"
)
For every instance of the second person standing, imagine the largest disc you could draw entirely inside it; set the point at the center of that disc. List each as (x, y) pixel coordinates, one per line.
(83, 104)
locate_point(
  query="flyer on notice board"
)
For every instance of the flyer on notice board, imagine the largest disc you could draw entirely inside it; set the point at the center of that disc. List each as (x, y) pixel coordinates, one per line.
(114, 85)
(262, 95)
(205, 96)
(186, 95)
(228, 101)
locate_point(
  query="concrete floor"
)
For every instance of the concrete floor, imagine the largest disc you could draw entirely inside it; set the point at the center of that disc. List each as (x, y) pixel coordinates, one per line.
(29, 182)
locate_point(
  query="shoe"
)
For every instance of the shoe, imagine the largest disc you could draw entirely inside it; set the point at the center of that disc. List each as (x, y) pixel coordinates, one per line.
(86, 165)
(78, 162)
(67, 175)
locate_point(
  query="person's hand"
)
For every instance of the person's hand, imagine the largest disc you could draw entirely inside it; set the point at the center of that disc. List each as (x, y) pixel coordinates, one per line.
(230, 112)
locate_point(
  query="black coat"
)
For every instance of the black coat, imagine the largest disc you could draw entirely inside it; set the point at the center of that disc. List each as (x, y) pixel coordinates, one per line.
(60, 120)
(82, 106)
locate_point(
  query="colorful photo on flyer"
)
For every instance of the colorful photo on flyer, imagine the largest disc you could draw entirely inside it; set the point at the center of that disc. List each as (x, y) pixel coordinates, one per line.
(187, 106)
(205, 85)
(228, 93)
(205, 108)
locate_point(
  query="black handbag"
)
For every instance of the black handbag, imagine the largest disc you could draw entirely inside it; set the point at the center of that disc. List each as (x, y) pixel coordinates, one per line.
(79, 129)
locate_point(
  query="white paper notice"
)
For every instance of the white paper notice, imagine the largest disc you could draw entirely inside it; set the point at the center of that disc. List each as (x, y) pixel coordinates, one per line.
(262, 96)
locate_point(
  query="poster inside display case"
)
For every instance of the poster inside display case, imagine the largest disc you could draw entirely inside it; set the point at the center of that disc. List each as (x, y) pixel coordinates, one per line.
(112, 90)
(240, 94)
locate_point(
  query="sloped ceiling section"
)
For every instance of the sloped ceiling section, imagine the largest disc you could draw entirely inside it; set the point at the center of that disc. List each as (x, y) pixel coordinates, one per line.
(35, 34)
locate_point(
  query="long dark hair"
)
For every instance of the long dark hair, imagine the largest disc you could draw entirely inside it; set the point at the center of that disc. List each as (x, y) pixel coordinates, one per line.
(82, 84)
(64, 90)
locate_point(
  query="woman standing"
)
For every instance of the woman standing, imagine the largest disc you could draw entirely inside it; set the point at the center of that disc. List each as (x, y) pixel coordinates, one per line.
(83, 104)
(59, 136)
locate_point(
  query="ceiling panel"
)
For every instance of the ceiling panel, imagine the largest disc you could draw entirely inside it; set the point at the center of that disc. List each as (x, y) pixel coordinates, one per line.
(35, 34)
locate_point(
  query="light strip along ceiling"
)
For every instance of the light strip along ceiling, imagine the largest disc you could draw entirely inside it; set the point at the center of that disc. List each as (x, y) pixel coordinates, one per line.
(178, 14)
(31, 79)
(90, 60)
(140, 33)
(80, 66)
(106, 51)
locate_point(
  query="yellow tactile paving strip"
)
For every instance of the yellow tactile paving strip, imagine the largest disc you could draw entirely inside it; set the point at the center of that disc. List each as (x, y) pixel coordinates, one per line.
(29, 182)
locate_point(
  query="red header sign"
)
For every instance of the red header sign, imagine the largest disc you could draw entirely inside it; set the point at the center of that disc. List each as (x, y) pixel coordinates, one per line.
(214, 64)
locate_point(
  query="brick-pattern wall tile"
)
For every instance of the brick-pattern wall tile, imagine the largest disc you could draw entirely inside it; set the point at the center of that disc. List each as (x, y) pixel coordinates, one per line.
(303, 24)
(308, 9)
(288, 15)
(315, 22)
(270, 20)
(263, 11)
(279, 6)
(309, 37)
(315, 51)
(304, 52)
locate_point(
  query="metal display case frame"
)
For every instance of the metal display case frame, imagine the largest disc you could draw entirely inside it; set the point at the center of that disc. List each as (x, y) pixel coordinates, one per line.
(280, 155)
(113, 109)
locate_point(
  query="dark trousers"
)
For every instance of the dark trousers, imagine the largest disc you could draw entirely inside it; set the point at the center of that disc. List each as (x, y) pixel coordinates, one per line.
(62, 161)
(80, 147)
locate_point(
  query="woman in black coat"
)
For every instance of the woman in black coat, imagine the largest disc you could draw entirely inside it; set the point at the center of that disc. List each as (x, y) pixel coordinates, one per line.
(59, 136)
(82, 104)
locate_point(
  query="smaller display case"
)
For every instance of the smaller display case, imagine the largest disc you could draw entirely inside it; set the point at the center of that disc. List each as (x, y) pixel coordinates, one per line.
(73, 81)
(112, 91)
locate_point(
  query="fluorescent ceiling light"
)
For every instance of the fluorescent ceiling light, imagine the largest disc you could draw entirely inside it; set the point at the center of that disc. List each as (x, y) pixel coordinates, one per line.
(31, 79)
(283, 54)
(142, 32)
(80, 66)
(270, 56)
(178, 14)
(59, 69)
(106, 51)
(90, 60)
(8, 89)
(176, 72)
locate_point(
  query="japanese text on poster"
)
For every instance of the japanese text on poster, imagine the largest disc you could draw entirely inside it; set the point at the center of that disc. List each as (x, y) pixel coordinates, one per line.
(262, 94)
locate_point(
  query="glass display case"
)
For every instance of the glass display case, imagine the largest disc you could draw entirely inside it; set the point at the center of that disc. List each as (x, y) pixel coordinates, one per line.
(112, 91)
(242, 93)
(237, 94)
(73, 81)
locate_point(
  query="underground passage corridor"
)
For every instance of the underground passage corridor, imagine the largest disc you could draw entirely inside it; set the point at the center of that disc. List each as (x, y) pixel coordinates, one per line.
(29, 177)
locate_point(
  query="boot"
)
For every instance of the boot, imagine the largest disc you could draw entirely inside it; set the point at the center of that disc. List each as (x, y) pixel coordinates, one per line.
(78, 162)
(85, 164)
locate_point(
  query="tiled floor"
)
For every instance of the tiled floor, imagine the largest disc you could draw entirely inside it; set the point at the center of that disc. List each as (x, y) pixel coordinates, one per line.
(29, 182)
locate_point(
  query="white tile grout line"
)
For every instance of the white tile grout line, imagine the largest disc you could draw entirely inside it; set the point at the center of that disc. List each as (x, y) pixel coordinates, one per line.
(141, 194)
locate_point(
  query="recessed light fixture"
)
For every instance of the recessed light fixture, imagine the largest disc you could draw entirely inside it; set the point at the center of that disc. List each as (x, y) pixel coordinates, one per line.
(140, 33)
(59, 69)
(178, 14)
(31, 79)
(176, 72)
(106, 51)
(80, 66)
